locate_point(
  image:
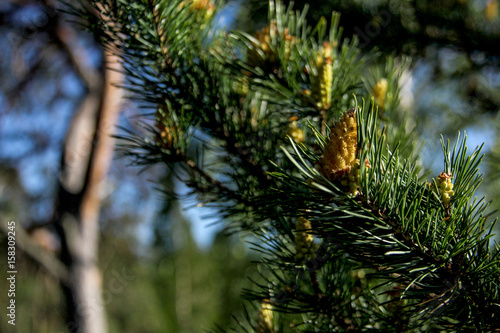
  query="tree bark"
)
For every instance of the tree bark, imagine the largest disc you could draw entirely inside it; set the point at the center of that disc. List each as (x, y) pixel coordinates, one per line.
(88, 150)
(87, 153)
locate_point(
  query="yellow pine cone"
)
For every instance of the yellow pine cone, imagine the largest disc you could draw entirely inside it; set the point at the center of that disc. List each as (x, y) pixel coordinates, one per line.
(379, 91)
(322, 84)
(304, 241)
(445, 187)
(341, 147)
(338, 162)
(265, 323)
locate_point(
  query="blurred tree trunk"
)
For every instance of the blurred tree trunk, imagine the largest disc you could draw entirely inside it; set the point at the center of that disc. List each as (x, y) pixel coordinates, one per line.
(88, 150)
(87, 153)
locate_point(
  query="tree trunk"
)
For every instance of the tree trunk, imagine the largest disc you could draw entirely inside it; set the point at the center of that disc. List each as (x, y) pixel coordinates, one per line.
(88, 150)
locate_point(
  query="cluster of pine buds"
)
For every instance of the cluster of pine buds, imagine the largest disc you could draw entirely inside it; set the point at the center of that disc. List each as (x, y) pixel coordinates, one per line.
(165, 138)
(338, 162)
(204, 9)
(265, 36)
(322, 83)
(444, 187)
(304, 240)
(265, 321)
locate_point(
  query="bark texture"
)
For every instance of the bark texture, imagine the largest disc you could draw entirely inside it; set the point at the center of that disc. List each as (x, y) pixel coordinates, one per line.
(88, 151)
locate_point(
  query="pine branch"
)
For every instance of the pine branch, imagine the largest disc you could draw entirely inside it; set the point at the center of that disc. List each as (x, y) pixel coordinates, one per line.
(338, 201)
(221, 188)
(399, 235)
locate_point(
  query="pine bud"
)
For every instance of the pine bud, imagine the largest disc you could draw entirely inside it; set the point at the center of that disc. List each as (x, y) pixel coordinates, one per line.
(338, 162)
(379, 91)
(265, 323)
(289, 42)
(491, 10)
(444, 187)
(164, 138)
(304, 241)
(254, 58)
(296, 133)
(204, 9)
(322, 84)
(341, 147)
(265, 37)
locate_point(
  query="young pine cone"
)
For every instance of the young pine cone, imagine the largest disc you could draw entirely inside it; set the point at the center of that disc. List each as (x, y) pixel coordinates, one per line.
(339, 163)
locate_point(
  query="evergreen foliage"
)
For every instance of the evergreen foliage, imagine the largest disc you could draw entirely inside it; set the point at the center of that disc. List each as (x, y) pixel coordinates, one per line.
(267, 129)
